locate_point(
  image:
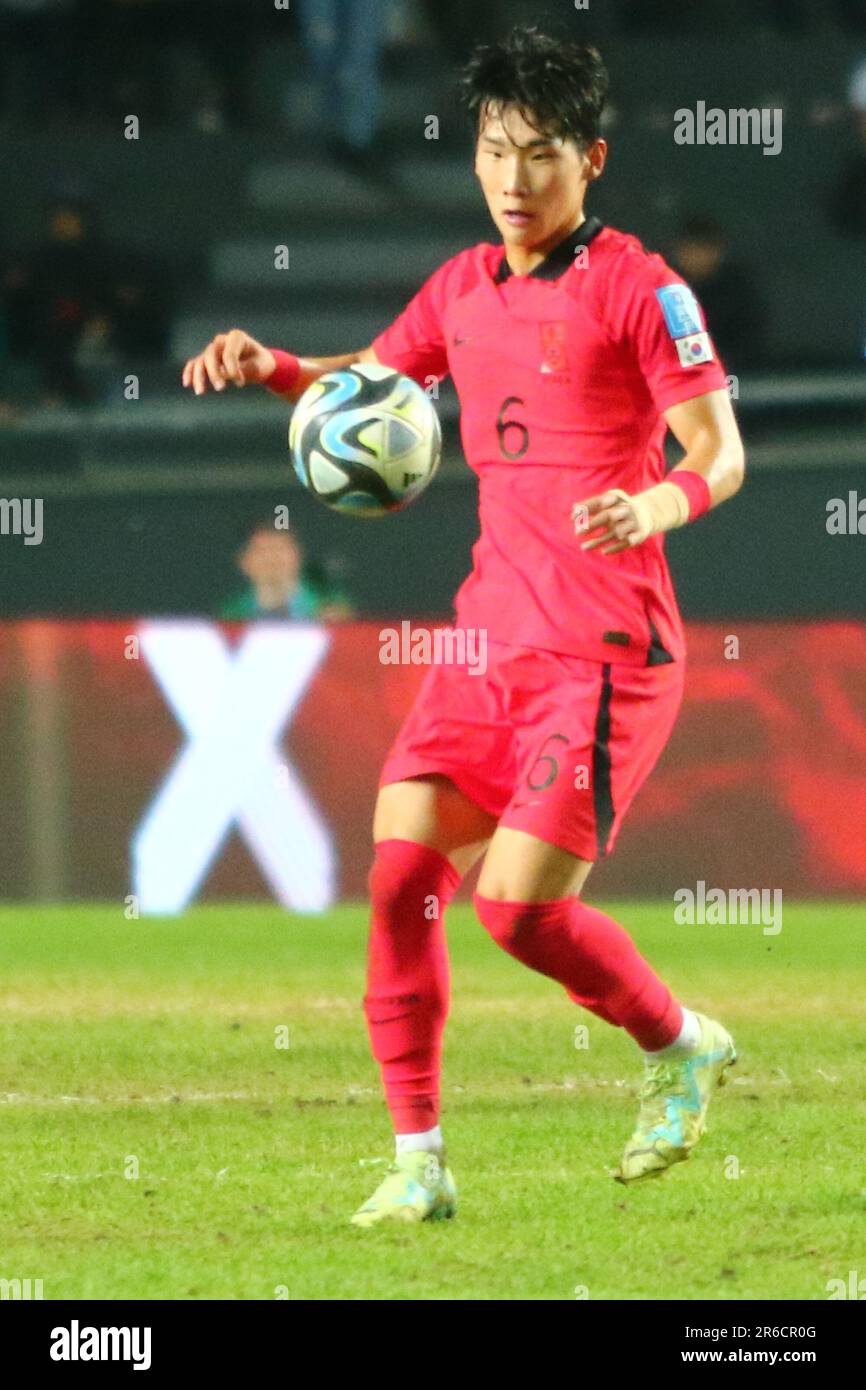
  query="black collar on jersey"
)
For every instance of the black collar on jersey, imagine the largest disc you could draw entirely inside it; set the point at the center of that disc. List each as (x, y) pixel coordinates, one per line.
(560, 258)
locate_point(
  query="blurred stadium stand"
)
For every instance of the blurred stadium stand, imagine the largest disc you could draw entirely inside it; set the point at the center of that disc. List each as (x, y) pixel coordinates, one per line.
(146, 499)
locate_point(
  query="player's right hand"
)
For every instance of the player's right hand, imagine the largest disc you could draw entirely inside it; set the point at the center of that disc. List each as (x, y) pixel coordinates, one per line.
(233, 356)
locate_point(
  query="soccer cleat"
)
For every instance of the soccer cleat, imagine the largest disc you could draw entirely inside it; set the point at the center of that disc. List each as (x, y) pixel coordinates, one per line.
(674, 1099)
(416, 1187)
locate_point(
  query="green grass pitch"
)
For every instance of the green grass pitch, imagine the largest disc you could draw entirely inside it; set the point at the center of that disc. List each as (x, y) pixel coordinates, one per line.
(155, 1142)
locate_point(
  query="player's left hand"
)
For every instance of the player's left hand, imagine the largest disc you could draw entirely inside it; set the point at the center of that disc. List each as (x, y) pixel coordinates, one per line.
(616, 519)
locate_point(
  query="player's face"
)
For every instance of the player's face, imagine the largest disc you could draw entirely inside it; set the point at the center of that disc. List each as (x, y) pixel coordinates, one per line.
(534, 183)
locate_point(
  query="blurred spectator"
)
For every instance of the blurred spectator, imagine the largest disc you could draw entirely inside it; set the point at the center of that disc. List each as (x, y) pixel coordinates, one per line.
(281, 584)
(182, 63)
(137, 304)
(74, 290)
(96, 61)
(52, 295)
(227, 40)
(344, 39)
(735, 311)
(847, 203)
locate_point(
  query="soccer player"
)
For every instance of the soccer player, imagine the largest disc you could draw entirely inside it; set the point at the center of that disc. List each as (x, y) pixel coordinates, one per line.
(572, 349)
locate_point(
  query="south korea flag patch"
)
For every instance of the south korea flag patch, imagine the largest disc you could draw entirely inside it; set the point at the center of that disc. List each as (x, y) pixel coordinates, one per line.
(694, 349)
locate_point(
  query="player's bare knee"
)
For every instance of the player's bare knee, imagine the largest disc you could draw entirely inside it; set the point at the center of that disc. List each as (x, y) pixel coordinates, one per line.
(431, 811)
(521, 868)
(410, 810)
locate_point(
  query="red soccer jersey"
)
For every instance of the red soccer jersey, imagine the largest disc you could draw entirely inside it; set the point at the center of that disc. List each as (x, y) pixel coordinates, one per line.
(562, 376)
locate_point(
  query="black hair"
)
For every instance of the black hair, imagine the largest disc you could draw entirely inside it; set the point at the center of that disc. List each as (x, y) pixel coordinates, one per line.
(265, 523)
(558, 86)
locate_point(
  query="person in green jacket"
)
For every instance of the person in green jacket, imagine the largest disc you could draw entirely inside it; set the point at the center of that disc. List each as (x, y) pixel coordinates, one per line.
(281, 584)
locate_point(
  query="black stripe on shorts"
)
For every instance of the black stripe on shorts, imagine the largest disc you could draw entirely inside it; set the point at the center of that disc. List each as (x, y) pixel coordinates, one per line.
(601, 788)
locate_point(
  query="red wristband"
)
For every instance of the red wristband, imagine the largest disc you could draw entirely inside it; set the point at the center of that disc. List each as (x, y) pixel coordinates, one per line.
(695, 487)
(286, 372)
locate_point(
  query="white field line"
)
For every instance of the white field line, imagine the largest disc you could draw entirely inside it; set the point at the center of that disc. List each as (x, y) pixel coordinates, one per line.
(355, 1093)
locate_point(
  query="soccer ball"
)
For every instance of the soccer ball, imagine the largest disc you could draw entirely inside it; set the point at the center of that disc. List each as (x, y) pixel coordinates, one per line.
(365, 440)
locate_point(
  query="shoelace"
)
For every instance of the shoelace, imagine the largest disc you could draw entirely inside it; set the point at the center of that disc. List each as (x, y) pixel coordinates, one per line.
(662, 1077)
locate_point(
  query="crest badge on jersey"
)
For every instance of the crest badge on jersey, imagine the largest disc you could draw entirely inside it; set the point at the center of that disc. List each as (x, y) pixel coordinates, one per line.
(554, 357)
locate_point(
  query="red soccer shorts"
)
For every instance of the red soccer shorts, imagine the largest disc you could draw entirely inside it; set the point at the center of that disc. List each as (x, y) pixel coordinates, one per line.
(556, 746)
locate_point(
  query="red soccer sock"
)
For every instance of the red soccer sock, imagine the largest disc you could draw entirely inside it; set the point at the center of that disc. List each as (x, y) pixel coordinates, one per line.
(407, 997)
(593, 957)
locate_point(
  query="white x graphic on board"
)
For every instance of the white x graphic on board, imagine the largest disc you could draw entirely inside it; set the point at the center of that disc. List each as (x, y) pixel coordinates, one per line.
(233, 706)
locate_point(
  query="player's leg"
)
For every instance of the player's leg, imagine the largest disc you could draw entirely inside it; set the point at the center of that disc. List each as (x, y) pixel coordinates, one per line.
(427, 835)
(528, 899)
(430, 810)
(585, 762)
(590, 735)
(445, 781)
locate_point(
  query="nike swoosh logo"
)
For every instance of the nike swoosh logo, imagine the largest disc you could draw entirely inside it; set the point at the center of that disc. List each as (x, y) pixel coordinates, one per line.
(457, 340)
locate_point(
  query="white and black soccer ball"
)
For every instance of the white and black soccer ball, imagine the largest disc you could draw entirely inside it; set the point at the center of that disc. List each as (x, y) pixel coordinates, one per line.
(365, 440)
